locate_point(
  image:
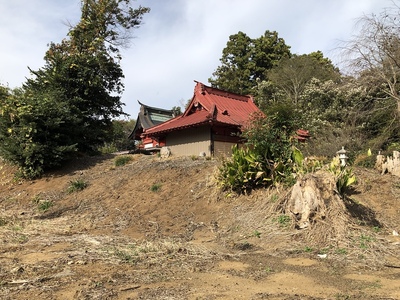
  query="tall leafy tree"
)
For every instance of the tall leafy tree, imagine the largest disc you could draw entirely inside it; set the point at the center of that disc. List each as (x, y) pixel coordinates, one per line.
(245, 60)
(86, 66)
(269, 49)
(3, 92)
(69, 104)
(234, 73)
(290, 75)
(122, 129)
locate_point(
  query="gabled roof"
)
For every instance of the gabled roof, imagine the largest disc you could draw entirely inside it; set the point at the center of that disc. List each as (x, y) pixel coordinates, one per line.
(148, 117)
(210, 105)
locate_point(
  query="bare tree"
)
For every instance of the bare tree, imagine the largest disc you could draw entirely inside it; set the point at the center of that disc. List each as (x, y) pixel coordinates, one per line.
(375, 50)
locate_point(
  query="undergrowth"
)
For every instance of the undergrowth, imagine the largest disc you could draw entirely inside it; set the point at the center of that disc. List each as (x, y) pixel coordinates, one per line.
(122, 160)
(77, 185)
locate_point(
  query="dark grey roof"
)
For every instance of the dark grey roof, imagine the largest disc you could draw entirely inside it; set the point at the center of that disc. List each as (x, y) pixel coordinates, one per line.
(148, 117)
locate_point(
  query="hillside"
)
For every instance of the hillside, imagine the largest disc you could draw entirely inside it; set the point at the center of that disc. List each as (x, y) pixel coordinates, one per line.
(160, 229)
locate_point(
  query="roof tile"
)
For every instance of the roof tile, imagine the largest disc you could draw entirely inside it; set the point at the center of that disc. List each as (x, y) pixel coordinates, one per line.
(210, 105)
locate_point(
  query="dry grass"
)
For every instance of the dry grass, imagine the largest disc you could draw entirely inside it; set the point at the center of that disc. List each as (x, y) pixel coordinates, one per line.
(340, 233)
(162, 252)
(116, 240)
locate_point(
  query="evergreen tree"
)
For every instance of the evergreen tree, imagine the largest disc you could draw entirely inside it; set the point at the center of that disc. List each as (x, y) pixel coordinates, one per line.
(34, 130)
(245, 61)
(69, 104)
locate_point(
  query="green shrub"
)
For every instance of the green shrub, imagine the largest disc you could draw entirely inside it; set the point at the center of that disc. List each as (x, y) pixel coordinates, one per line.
(155, 187)
(394, 146)
(284, 220)
(365, 241)
(122, 160)
(269, 156)
(305, 165)
(3, 222)
(308, 249)
(108, 148)
(45, 205)
(34, 133)
(269, 138)
(77, 185)
(342, 251)
(42, 205)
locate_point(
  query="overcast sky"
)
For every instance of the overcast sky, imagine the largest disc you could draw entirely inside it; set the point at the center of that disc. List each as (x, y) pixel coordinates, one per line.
(180, 40)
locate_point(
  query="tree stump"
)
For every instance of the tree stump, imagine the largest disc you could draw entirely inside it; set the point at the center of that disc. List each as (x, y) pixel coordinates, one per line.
(310, 198)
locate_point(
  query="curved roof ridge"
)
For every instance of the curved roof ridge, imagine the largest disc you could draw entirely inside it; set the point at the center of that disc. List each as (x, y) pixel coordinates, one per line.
(155, 108)
(219, 92)
(229, 95)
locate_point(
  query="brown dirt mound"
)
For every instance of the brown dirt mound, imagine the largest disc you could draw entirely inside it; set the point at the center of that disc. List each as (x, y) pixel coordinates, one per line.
(160, 229)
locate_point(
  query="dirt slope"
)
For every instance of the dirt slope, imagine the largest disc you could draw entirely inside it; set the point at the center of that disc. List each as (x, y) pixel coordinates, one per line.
(159, 229)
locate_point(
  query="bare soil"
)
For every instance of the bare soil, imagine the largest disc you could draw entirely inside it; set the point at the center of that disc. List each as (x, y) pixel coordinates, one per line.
(161, 229)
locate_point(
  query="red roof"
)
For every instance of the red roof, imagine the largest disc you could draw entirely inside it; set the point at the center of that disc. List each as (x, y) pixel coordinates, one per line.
(210, 105)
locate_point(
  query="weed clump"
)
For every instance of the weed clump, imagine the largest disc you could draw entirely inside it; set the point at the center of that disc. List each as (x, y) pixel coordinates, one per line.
(156, 187)
(43, 205)
(122, 160)
(3, 222)
(77, 185)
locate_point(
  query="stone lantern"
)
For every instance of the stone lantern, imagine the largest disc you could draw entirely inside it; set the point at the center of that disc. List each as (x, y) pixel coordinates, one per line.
(342, 156)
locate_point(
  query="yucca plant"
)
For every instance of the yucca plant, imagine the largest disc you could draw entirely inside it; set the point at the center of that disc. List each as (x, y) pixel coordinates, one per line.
(344, 176)
(243, 171)
(268, 158)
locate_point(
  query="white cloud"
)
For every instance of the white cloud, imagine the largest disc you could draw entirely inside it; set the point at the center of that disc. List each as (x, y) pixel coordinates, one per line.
(180, 40)
(26, 27)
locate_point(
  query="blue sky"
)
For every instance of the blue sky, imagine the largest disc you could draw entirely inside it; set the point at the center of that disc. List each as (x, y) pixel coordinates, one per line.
(180, 40)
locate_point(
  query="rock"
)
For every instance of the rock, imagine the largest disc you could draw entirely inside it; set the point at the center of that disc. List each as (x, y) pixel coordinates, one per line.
(380, 160)
(18, 269)
(165, 152)
(390, 164)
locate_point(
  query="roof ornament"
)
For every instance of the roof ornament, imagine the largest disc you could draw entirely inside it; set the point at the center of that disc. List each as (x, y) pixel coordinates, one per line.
(200, 87)
(203, 89)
